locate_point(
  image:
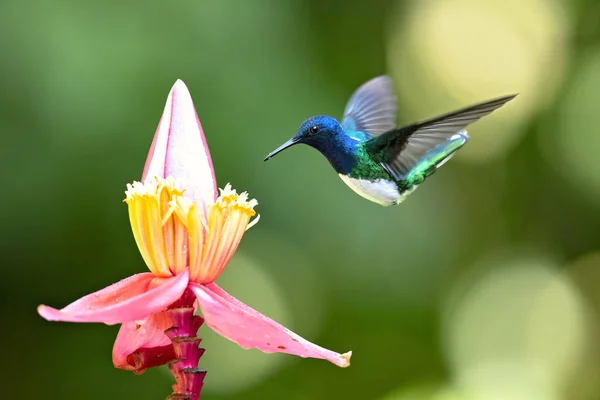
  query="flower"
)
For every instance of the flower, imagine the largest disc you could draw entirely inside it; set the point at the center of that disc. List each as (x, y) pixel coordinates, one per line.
(186, 233)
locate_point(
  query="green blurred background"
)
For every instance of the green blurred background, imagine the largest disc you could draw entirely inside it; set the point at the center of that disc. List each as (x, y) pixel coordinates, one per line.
(483, 285)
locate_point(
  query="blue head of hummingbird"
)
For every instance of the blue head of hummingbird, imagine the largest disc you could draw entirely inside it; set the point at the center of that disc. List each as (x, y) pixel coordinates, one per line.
(375, 158)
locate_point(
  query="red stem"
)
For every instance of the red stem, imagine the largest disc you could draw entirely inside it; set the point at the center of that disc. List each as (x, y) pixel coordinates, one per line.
(188, 377)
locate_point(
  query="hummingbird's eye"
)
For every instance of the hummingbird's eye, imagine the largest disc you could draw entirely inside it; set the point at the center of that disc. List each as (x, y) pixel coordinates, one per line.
(313, 129)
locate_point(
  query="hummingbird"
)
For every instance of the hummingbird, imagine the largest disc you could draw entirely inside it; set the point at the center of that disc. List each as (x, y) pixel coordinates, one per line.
(375, 158)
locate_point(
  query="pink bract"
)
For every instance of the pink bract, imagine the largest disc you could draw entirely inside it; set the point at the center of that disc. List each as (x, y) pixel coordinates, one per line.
(245, 326)
(179, 149)
(133, 298)
(134, 335)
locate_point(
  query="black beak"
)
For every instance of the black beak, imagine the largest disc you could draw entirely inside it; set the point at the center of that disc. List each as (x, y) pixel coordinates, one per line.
(284, 146)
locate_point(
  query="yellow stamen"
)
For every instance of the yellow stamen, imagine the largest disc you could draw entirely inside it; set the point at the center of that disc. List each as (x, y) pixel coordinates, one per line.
(227, 221)
(173, 234)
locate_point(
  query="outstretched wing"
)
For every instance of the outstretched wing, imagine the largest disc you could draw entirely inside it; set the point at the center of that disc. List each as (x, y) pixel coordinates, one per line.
(371, 108)
(433, 141)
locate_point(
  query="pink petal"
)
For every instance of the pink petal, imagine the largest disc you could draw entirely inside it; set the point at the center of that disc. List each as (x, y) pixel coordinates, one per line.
(179, 149)
(133, 298)
(146, 334)
(248, 328)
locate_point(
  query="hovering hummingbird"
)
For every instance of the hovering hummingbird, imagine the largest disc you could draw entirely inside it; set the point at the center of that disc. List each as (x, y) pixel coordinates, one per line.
(377, 160)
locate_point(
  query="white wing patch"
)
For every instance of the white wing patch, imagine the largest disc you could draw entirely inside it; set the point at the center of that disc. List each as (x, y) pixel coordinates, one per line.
(381, 191)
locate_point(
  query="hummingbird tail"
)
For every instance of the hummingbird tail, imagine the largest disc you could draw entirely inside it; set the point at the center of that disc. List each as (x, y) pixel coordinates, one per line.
(454, 143)
(430, 163)
(436, 157)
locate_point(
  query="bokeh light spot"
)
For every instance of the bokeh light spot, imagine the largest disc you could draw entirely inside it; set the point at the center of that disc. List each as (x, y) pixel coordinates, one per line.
(427, 392)
(515, 330)
(449, 54)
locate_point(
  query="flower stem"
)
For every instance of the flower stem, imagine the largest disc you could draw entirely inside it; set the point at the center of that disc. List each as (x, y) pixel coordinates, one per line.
(188, 377)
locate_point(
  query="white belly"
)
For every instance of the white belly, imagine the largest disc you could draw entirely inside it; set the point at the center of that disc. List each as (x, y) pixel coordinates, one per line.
(381, 191)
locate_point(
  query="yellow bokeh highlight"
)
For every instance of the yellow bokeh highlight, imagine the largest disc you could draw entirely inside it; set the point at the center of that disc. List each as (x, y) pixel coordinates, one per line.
(427, 392)
(517, 328)
(449, 54)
